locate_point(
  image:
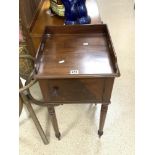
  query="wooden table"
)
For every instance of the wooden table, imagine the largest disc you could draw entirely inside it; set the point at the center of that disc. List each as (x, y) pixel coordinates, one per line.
(76, 64)
(74, 74)
(43, 19)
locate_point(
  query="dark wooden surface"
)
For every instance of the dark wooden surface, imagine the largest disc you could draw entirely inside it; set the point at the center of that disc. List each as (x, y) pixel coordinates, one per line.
(43, 19)
(72, 90)
(86, 48)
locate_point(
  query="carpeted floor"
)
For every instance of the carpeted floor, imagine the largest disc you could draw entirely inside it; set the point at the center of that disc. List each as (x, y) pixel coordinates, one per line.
(79, 123)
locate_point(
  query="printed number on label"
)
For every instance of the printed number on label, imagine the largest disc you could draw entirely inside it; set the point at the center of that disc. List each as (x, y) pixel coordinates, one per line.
(74, 71)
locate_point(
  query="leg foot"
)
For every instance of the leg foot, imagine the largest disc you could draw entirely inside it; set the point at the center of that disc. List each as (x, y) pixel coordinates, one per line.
(52, 114)
(58, 136)
(103, 114)
(100, 133)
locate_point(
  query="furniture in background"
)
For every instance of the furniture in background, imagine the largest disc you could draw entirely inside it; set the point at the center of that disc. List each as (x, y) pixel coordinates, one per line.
(26, 69)
(28, 12)
(25, 62)
(33, 14)
(43, 19)
(23, 99)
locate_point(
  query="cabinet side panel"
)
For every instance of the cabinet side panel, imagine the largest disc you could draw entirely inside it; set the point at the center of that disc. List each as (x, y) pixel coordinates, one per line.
(43, 86)
(108, 89)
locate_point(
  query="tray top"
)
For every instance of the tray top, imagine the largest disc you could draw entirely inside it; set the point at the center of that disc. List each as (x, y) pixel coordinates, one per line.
(75, 53)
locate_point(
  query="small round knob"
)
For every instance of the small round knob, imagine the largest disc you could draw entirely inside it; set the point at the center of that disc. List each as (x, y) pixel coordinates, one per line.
(55, 91)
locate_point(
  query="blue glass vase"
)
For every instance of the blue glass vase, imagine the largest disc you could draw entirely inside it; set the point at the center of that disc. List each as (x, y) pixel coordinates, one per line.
(75, 12)
(83, 17)
(70, 11)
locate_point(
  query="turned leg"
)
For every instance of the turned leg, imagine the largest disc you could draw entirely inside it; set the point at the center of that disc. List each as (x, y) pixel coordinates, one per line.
(103, 113)
(34, 118)
(52, 114)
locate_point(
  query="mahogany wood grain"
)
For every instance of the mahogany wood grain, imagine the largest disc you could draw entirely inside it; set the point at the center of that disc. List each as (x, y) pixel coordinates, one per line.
(81, 90)
(86, 48)
(96, 64)
(72, 90)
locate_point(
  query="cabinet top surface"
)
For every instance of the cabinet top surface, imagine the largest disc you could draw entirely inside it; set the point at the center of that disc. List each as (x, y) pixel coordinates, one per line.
(75, 51)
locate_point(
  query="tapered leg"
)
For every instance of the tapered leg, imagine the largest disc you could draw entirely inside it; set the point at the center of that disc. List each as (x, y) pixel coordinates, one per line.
(52, 114)
(34, 118)
(103, 113)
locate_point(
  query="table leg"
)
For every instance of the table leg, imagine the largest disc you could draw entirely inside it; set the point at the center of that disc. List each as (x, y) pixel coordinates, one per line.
(52, 114)
(34, 118)
(103, 113)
